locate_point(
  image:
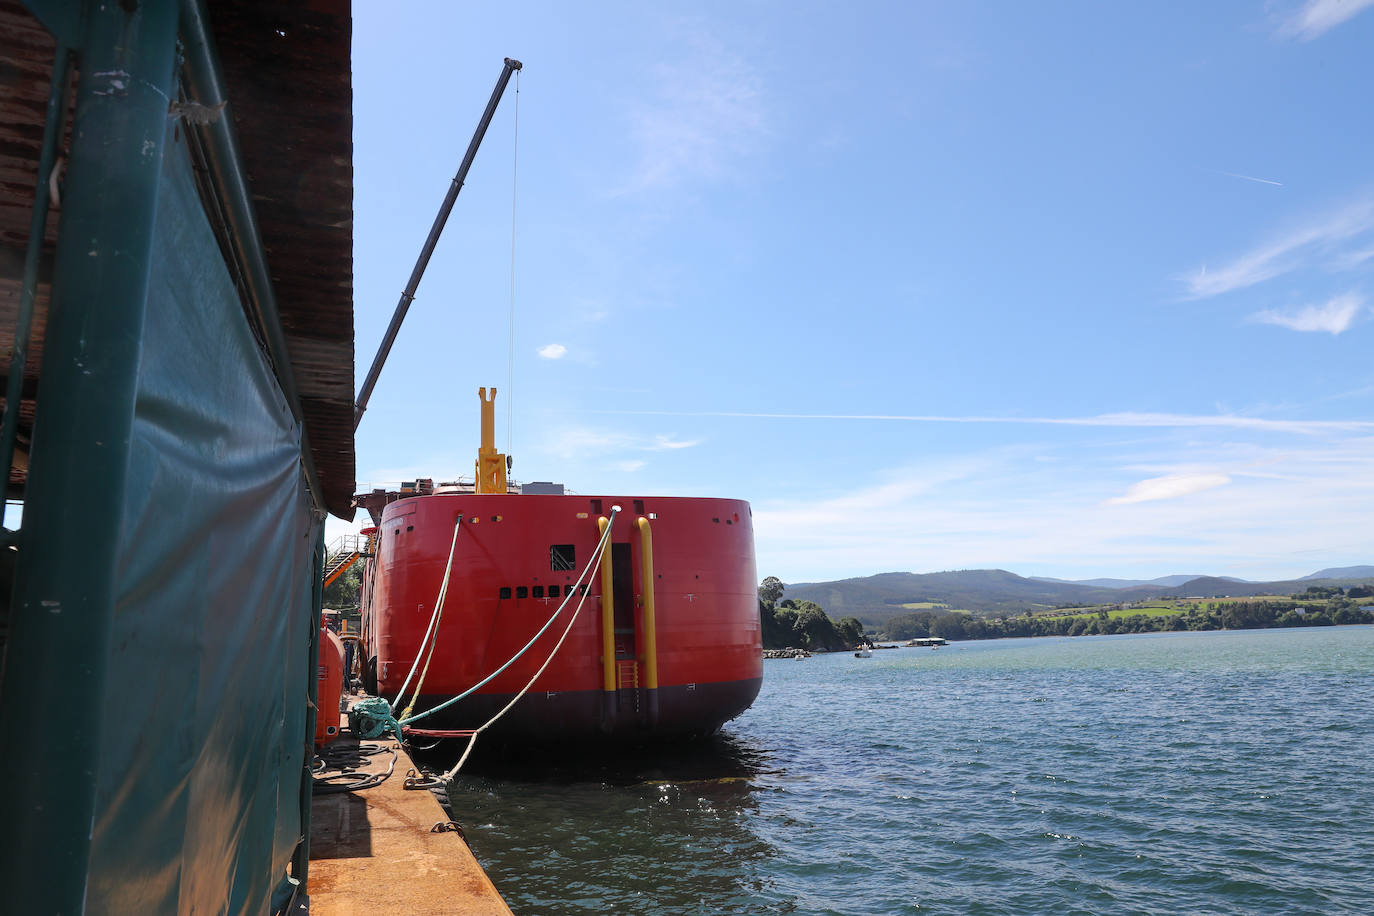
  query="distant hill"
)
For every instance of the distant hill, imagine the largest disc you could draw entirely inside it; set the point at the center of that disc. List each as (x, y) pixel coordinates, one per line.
(1131, 583)
(1215, 586)
(874, 599)
(1342, 572)
(879, 597)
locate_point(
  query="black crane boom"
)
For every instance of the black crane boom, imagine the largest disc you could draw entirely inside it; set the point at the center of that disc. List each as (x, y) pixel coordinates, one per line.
(408, 294)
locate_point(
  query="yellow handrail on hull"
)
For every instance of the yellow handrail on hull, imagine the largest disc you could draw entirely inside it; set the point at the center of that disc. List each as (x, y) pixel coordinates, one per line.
(646, 575)
(607, 611)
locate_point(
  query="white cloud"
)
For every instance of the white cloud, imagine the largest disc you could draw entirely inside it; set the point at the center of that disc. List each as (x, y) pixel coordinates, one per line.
(630, 467)
(1320, 16)
(1171, 486)
(999, 509)
(705, 115)
(1349, 260)
(668, 443)
(553, 351)
(581, 440)
(578, 441)
(1334, 317)
(1285, 254)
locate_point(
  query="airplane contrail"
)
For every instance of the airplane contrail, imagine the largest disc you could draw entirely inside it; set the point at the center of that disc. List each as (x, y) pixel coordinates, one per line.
(1249, 178)
(1138, 420)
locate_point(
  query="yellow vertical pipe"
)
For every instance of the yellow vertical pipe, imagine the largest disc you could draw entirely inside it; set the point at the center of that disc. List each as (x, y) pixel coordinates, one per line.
(646, 575)
(607, 610)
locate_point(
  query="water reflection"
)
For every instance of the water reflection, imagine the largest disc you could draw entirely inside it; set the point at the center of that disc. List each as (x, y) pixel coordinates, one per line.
(669, 828)
(717, 758)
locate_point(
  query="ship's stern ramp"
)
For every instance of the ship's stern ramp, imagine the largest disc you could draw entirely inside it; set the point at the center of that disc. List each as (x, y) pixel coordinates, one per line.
(180, 425)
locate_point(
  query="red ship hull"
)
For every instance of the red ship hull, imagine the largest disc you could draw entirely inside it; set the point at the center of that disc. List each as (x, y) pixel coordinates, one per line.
(515, 559)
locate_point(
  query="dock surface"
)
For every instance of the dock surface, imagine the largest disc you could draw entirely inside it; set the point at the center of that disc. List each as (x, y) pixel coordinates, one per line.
(375, 851)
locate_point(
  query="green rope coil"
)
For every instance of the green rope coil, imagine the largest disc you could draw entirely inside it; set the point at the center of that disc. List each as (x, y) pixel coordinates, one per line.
(371, 718)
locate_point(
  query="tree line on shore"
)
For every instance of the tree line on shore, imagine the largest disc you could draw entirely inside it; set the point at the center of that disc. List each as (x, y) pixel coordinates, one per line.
(803, 624)
(1231, 615)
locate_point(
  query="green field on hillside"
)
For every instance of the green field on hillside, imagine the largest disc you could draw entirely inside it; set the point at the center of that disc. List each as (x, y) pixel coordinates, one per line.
(936, 606)
(1151, 610)
(1180, 606)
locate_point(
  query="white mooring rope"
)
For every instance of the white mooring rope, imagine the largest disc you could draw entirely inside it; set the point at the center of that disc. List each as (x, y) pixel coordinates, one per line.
(592, 563)
(472, 740)
(431, 636)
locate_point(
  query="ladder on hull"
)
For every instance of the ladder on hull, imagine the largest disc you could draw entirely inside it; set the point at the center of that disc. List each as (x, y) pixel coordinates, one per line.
(627, 683)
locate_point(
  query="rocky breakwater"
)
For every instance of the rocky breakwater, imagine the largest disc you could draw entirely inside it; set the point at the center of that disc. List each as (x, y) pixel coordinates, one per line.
(786, 653)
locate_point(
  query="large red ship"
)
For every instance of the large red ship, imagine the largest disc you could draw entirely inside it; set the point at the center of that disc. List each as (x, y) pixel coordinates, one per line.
(654, 598)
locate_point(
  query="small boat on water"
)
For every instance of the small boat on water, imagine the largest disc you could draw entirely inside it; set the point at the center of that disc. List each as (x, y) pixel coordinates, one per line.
(864, 652)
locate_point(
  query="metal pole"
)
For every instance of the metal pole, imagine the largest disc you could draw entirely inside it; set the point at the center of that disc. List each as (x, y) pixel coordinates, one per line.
(646, 577)
(608, 679)
(205, 83)
(57, 656)
(300, 862)
(408, 294)
(54, 119)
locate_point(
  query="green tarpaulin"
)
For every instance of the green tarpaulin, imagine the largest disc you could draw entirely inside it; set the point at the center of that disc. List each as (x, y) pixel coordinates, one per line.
(199, 781)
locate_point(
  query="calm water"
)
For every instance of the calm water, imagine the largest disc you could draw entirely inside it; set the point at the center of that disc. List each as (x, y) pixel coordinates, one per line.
(1163, 773)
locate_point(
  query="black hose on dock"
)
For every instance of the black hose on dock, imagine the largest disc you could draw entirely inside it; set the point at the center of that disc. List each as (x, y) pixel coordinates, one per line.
(347, 760)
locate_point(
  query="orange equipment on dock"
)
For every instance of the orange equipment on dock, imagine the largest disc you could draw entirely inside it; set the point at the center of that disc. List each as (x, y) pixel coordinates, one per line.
(331, 676)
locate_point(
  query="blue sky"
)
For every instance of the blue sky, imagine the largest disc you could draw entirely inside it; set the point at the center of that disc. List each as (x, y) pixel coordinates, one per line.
(1074, 289)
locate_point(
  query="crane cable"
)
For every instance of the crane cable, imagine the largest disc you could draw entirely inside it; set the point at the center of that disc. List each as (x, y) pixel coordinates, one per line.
(510, 347)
